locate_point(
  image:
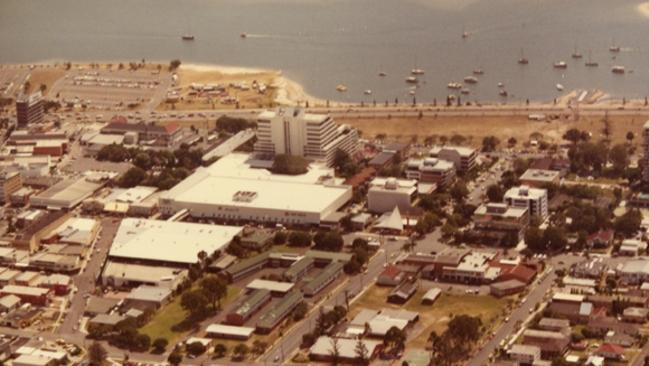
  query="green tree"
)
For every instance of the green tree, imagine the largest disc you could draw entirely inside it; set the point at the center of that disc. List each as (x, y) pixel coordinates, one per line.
(96, 354)
(220, 350)
(489, 143)
(159, 345)
(132, 177)
(459, 191)
(241, 351)
(195, 348)
(330, 241)
(175, 358)
(173, 64)
(214, 289)
(619, 157)
(629, 223)
(289, 164)
(195, 303)
(495, 193)
(299, 239)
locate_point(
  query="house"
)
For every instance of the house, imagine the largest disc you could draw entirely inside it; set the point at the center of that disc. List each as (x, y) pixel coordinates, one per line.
(391, 276)
(554, 324)
(604, 324)
(592, 268)
(600, 239)
(402, 293)
(552, 344)
(524, 354)
(431, 296)
(9, 303)
(632, 247)
(506, 288)
(635, 314)
(620, 339)
(148, 297)
(610, 352)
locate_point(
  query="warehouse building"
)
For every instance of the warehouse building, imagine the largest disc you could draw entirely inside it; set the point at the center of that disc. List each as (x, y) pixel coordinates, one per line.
(229, 332)
(230, 189)
(279, 312)
(66, 194)
(327, 276)
(255, 301)
(170, 243)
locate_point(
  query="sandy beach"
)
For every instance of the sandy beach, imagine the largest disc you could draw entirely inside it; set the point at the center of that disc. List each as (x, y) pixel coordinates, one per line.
(643, 8)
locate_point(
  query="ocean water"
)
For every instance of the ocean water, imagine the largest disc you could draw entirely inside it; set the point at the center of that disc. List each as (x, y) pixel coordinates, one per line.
(323, 43)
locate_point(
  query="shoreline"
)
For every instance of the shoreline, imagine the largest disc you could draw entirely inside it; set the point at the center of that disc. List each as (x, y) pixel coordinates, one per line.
(643, 9)
(289, 92)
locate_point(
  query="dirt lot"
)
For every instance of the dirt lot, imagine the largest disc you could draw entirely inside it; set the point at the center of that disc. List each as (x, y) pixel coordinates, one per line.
(46, 76)
(476, 128)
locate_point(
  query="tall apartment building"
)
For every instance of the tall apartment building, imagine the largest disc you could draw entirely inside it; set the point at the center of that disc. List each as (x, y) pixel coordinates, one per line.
(29, 109)
(10, 182)
(464, 158)
(534, 199)
(431, 170)
(294, 132)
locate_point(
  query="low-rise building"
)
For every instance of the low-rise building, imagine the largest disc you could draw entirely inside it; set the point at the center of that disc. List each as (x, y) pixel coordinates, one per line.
(147, 297)
(431, 170)
(635, 314)
(540, 177)
(554, 324)
(300, 268)
(391, 276)
(464, 158)
(506, 288)
(33, 295)
(322, 350)
(328, 275)
(251, 304)
(386, 194)
(229, 332)
(499, 221)
(524, 354)
(269, 320)
(535, 200)
(551, 344)
(10, 182)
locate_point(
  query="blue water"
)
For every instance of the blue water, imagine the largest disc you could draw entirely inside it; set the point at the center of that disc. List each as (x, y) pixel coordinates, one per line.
(322, 43)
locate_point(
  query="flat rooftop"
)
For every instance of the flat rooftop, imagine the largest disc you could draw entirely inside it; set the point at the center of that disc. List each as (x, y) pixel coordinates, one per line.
(172, 242)
(223, 182)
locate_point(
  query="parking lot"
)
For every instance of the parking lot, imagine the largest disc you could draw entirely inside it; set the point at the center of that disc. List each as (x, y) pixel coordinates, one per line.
(110, 89)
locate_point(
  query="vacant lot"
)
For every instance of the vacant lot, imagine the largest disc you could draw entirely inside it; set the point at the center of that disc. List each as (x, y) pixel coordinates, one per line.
(475, 128)
(434, 317)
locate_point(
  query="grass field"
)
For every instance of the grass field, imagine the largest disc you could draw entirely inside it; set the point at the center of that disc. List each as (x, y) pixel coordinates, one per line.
(475, 128)
(171, 314)
(434, 317)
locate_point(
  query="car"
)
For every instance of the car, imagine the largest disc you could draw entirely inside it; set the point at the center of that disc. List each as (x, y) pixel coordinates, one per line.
(276, 359)
(506, 319)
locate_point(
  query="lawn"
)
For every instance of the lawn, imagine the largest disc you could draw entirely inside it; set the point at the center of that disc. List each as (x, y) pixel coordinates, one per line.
(435, 317)
(171, 314)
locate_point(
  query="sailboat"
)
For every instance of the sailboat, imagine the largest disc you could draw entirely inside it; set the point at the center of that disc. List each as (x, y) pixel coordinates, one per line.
(416, 70)
(614, 47)
(576, 54)
(590, 62)
(523, 60)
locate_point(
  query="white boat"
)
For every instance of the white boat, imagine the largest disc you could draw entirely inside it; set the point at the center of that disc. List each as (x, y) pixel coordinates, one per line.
(465, 91)
(341, 88)
(559, 87)
(478, 72)
(412, 80)
(367, 92)
(501, 85)
(617, 69)
(453, 85)
(523, 60)
(417, 71)
(614, 48)
(187, 37)
(590, 62)
(560, 65)
(503, 93)
(576, 54)
(412, 92)
(470, 80)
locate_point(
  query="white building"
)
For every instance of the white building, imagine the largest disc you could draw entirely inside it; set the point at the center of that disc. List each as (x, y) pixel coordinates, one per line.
(385, 194)
(168, 242)
(431, 170)
(294, 132)
(534, 199)
(230, 189)
(634, 271)
(464, 158)
(524, 354)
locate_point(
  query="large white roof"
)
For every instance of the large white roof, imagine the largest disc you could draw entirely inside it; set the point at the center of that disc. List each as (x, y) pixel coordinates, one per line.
(218, 184)
(174, 242)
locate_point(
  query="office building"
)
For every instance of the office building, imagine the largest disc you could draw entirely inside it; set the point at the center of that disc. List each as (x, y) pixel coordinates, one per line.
(534, 199)
(431, 170)
(464, 158)
(29, 109)
(10, 182)
(295, 132)
(386, 194)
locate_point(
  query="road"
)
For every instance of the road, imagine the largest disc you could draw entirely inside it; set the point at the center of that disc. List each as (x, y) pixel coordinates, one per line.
(291, 341)
(85, 281)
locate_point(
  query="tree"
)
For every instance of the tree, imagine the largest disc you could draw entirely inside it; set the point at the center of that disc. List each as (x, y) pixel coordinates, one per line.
(289, 164)
(330, 241)
(619, 157)
(96, 354)
(233, 124)
(495, 193)
(362, 353)
(299, 239)
(629, 223)
(280, 238)
(630, 136)
(159, 345)
(459, 191)
(220, 350)
(573, 135)
(512, 142)
(344, 164)
(173, 64)
(214, 289)
(489, 143)
(259, 347)
(132, 177)
(300, 311)
(241, 351)
(395, 338)
(195, 348)
(195, 303)
(175, 358)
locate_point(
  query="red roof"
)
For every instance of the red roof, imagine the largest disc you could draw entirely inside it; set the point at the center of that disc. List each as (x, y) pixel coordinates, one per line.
(172, 127)
(610, 348)
(361, 177)
(391, 271)
(602, 235)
